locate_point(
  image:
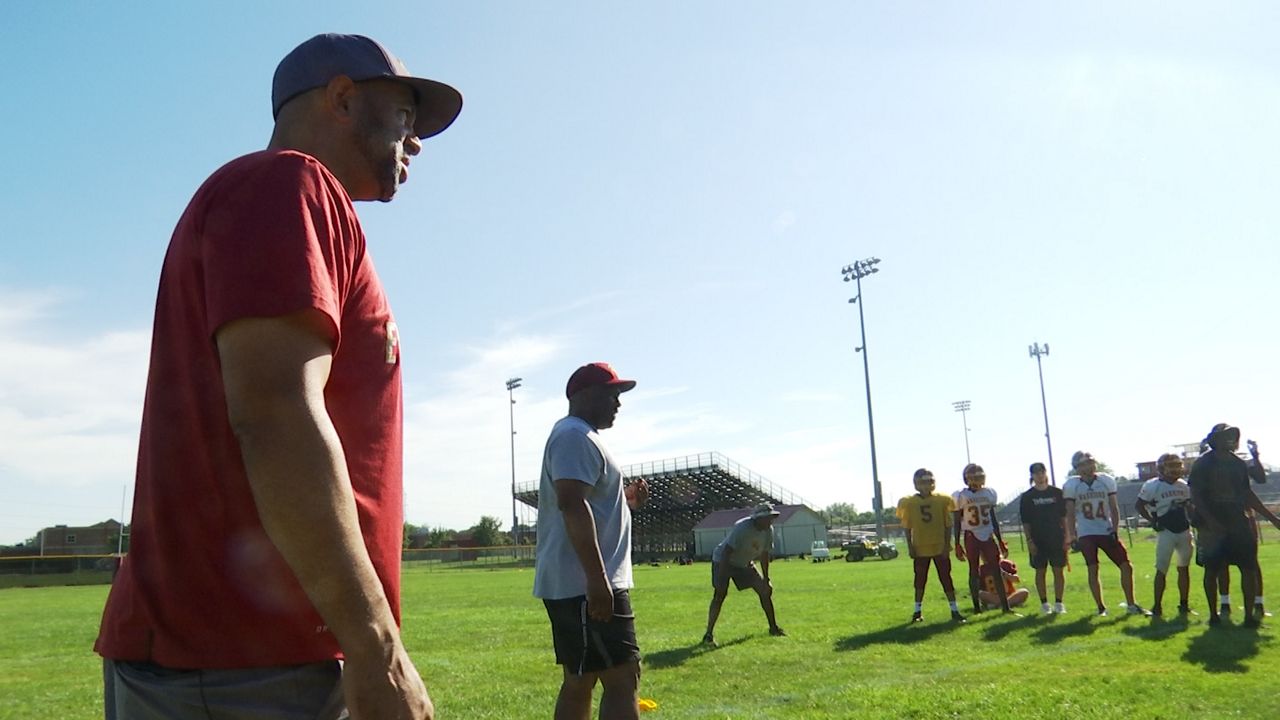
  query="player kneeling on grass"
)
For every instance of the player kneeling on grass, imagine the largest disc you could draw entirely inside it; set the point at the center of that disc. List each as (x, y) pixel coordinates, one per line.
(975, 514)
(1163, 501)
(734, 559)
(1009, 576)
(926, 517)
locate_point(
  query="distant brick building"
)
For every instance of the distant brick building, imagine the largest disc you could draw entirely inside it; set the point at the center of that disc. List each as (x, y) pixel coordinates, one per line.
(100, 539)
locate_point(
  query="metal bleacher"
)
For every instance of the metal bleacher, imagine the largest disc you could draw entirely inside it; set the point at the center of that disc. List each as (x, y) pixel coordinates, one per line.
(682, 491)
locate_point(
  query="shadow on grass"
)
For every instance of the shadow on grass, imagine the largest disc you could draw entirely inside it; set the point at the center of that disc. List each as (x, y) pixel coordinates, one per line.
(896, 635)
(1159, 628)
(1056, 630)
(676, 657)
(1224, 648)
(1011, 622)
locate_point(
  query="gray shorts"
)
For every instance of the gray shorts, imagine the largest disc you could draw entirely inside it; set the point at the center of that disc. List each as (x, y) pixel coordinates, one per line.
(143, 691)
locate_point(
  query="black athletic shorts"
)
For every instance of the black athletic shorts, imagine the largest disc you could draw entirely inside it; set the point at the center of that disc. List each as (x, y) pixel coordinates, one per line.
(584, 645)
(743, 577)
(1237, 546)
(1048, 552)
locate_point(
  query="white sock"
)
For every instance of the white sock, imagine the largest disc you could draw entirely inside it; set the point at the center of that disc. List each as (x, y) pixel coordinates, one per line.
(1224, 600)
(1257, 600)
(954, 606)
(919, 605)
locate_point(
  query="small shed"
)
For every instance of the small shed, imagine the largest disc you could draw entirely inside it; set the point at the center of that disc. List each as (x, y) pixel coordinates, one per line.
(794, 530)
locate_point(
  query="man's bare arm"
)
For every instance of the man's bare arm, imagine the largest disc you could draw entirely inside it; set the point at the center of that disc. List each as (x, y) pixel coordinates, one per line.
(274, 372)
(580, 525)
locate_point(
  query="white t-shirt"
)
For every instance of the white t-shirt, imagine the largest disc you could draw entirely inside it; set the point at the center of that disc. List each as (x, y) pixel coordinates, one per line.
(1165, 496)
(747, 541)
(574, 452)
(976, 510)
(1092, 503)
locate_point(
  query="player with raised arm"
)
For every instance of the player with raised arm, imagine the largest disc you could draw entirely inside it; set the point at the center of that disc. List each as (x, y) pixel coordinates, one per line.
(926, 517)
(1163, 502)
(982, 545)
(1093, 524)
(1222, 498)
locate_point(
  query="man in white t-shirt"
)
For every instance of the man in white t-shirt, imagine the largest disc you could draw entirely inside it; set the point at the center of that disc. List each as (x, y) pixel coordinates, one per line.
(582, 570)
(1163, 502)
(1093, 524)
(751, 539)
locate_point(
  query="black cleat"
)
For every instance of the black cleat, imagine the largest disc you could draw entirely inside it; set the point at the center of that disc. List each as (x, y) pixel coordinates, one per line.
(957, 617)
(917, 617)
(1215, 619)
(709, 639)
(1157, 611)
(1186, 610)
(777, 631)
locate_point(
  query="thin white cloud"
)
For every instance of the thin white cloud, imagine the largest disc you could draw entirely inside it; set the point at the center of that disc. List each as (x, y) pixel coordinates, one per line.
(69, 414)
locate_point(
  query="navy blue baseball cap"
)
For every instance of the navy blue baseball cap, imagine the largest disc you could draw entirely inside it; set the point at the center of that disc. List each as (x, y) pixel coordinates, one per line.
(322, 58)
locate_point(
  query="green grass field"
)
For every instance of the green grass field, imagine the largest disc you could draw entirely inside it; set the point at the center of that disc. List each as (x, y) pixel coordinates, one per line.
(483, 645)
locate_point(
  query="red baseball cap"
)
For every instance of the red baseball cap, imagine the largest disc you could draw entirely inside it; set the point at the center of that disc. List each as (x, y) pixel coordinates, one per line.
(593, 374)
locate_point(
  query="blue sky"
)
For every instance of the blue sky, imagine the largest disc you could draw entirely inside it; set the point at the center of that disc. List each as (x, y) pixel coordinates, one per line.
(673, 187)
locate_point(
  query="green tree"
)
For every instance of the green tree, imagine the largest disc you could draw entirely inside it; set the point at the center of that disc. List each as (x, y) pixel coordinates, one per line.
(488, 532)
(840, 513)
(437, 537)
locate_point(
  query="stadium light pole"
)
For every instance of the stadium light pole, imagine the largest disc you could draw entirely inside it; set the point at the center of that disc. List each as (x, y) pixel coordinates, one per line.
(856, 272)
(962, 407)
(512, 384)
(1037, 352)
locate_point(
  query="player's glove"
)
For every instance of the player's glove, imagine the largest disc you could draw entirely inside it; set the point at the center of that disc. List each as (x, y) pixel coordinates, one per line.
(1155, 523)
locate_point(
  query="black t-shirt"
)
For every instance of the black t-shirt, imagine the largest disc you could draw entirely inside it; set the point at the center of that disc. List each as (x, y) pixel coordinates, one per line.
(1043, 511)
(1220, 487)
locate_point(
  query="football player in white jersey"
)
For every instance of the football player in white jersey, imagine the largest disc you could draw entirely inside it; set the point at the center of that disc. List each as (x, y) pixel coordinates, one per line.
(982, 545)
(1163, 502)
(1093, 523)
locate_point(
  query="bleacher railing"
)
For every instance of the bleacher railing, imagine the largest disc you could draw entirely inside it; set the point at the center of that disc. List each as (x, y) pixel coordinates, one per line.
(696, 463)
(712, 460)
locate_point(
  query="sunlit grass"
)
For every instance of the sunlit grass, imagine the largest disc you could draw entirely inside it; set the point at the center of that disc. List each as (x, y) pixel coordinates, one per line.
(482, 642)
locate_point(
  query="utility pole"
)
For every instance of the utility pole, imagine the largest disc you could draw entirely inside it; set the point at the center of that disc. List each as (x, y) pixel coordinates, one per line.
(856, 272)
(962, 407)
(512, 384)
(1037, 352)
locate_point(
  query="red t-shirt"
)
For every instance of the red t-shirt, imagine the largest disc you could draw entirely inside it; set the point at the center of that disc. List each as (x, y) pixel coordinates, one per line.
(268, 234)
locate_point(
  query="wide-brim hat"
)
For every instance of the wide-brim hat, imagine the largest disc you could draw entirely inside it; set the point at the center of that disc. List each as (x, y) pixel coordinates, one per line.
(1222, 430)
(764, 510)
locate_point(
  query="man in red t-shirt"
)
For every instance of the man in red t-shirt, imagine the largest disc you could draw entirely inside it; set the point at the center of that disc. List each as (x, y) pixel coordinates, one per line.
(267, 516)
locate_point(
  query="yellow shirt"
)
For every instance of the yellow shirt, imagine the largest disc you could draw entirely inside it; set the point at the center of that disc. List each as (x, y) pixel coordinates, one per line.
(928, 519)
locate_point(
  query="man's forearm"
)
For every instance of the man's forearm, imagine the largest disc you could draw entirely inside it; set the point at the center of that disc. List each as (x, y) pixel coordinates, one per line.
(297, 472)
(1257, 506)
